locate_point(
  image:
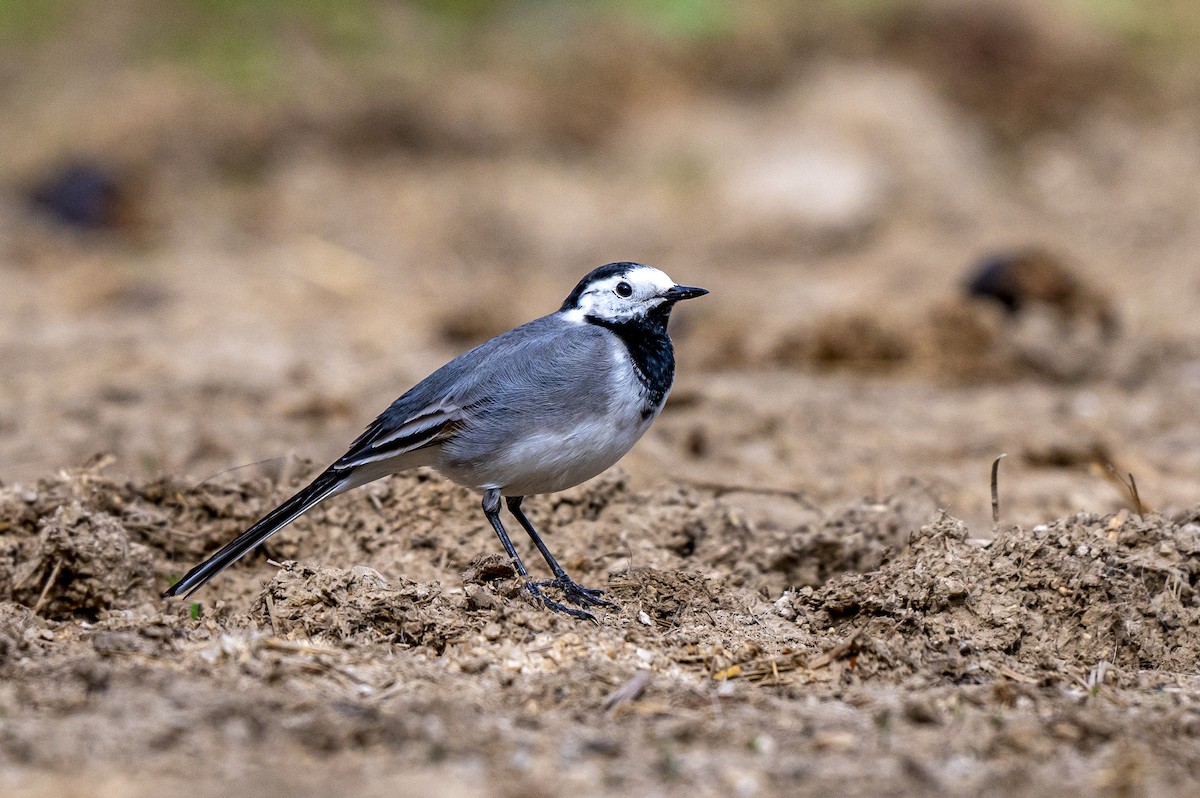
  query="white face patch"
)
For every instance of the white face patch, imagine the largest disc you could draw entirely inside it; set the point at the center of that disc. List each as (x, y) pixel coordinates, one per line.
(621, 297)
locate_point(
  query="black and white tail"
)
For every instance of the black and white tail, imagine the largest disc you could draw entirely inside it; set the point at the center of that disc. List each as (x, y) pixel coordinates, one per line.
(324, 486)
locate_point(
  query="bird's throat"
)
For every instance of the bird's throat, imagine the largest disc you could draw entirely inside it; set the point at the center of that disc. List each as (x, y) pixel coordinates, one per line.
(650, 350)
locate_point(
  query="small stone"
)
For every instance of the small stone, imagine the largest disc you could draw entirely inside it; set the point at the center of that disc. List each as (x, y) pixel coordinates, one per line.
(835, 741)
(920, 710)
(474, 664)
(480, 599)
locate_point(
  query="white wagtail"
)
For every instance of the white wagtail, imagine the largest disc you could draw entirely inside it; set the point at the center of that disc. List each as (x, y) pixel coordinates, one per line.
(538, 409)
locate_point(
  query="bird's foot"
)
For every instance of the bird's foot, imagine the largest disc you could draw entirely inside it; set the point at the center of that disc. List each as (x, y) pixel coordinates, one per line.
(573, 592)
(578, 594)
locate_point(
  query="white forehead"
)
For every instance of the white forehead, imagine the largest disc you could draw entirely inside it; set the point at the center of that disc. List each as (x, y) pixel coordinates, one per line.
(642, 277)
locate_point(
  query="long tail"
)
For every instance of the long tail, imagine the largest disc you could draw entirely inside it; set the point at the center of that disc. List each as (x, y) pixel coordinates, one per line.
(324, 486)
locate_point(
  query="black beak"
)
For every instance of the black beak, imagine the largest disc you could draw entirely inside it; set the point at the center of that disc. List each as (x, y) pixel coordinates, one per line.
(678, 292)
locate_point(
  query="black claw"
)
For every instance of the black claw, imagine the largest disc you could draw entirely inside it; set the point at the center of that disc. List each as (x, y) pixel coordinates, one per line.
(535, 588)
(578, 594)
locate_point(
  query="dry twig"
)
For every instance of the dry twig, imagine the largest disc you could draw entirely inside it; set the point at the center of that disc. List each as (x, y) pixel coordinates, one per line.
(1130, 486)
(996, 494)
(37, 607)
(631, 690)
(837, 652)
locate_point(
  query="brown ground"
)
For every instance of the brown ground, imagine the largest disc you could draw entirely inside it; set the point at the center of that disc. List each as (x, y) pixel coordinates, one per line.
(803, 611)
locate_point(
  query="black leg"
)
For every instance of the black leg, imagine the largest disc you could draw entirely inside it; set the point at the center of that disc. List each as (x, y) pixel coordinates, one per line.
(491, 508)
(573, 591)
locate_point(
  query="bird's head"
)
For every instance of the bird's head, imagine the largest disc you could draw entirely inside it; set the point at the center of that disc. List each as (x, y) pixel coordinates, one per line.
(619, 293)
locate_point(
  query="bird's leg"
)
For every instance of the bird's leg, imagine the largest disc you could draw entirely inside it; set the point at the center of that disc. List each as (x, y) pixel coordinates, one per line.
(491, 508)
(574, 592)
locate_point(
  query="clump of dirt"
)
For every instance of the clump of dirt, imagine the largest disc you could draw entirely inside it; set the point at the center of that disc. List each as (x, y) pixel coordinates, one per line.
(80, 562)
(858, 537)
(1069, 452)
(1024, 312)
(849, 340)
(665, 597)
(488, 568)
(166, 513)
(763, 541)
(356, 605)
(18, 626)
(1032, 276)
(966, 342)
(1033, 604)
(959, 341)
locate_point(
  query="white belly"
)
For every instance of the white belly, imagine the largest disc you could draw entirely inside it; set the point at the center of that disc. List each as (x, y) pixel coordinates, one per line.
(550, 462)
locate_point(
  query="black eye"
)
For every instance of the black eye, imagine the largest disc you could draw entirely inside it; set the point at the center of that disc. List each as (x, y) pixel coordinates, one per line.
(624, 289)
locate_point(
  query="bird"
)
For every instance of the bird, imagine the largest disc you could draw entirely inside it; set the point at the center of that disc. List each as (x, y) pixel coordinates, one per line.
(536, 410)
